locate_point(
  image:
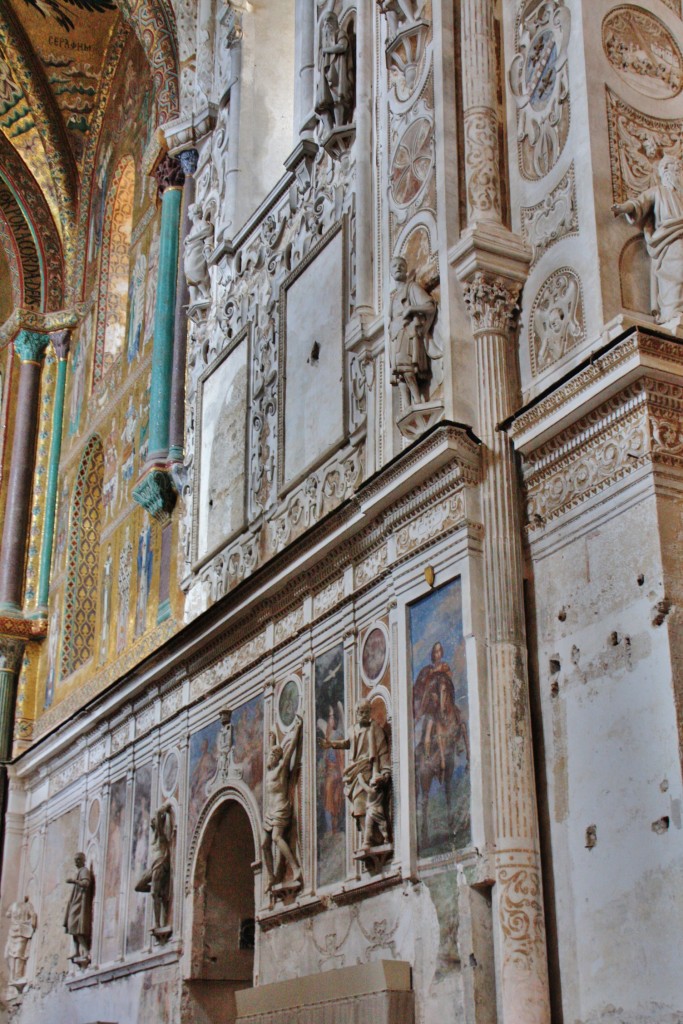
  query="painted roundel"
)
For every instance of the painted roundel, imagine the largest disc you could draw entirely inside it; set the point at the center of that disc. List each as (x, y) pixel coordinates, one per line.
(374, 655)
(413, 161)
(288, 704)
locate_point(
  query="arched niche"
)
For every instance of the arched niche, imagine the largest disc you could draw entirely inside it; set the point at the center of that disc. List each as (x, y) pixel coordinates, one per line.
(221, 894)
(635, 275)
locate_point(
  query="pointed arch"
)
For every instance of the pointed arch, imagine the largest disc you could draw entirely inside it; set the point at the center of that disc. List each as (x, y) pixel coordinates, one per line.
(154, 24)
(112, 310)
(80, 594)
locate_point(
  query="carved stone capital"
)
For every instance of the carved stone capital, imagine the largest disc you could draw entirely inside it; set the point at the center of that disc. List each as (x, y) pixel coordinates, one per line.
(188, 160)
(492, 303)
(169, 174)
(11, 653)
(30, 346)
(156, 494)
(60, 342)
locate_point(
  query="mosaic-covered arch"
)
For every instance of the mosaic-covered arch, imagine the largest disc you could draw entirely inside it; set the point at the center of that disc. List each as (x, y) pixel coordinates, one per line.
(80, 594)
(114, 276)
(154, 24)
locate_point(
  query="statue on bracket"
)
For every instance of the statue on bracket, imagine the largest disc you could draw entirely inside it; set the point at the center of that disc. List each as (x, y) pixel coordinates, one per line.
(23, 923)
(367, 784)
(198, 245)
(336, 87)
(658, 211)
(282, 768)
(157, 879)
(411, 317)
(398, 13)
(78, 916)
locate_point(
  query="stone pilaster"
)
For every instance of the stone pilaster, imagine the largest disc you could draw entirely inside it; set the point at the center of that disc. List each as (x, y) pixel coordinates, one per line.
(480, 107)
(492, 276)
(30, 347)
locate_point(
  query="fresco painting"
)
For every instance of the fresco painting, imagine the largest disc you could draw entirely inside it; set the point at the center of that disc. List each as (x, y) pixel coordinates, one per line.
(438, 672)
(330, 800)
(247, 722)
(139, 857)
(203, 761)
(112, 872)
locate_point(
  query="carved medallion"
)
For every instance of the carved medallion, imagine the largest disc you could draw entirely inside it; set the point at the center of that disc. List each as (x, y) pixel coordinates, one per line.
(643, 52)
(413, 161)
(557, 321)
(539, 80)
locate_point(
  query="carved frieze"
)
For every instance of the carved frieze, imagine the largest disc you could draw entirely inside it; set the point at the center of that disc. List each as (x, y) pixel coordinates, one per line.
(539, 80)
(555, 217)
(643, 52)
(557, 321)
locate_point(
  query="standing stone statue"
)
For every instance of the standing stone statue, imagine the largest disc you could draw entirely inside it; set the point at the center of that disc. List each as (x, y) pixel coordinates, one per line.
(398, 13)
(659, 212)
(157, 879)
(198, 244)
(78, 916)
(335, 92)
(411, 316)
(23, 923)
(367, 777)
(281, 765)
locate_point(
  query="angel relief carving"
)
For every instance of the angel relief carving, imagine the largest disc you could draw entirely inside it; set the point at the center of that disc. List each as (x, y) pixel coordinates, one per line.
(557, 319)
(539, 80)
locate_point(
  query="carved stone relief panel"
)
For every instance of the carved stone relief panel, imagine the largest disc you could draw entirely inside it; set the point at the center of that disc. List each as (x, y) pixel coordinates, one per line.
(637, 142)
(557, 322)
(555, 217)
(539, 80)
(643, 52)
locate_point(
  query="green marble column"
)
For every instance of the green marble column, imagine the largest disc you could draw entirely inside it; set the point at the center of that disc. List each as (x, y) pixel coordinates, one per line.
(30, 347)
(11, 654)
(155, 491)
(60, 342)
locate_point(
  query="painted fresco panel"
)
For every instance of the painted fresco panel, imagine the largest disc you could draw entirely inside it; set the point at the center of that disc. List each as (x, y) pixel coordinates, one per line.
(139, 858)
(112, 871)
(330, 799)
(248, 732)
(438, 672)
(203, 761)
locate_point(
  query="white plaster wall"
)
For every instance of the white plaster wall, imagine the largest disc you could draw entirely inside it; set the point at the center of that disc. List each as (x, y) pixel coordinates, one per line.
(611, 745)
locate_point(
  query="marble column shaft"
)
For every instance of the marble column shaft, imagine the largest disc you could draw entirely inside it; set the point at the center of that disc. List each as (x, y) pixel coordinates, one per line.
(305, 43)
(60, 342)
(176, 427)
(524, 973)
(170, 178)
(30, 347)
(480, 107)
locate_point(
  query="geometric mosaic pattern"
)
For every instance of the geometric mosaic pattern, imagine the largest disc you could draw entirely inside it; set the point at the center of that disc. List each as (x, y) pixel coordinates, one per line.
(80, 592)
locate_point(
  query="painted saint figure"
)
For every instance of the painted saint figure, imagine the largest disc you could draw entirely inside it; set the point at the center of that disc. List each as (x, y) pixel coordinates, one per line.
(411, 316)
(107, 580)
(157, 879)
(659, 212)
(78, 917)
(125, 571)
(144, 562)
(281, 768)
(368, 771)
(335, 93)
(23, 923)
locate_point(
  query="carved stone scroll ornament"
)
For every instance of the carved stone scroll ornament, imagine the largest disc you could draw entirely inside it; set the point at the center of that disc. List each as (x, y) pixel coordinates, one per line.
(492, 303)
(367, 784)
(78, 916)
(658, 211)
(482, 164)
(539, 80)
(557, 319)
(157, 880)
(555, 217)
(23, 923)
(278, 844)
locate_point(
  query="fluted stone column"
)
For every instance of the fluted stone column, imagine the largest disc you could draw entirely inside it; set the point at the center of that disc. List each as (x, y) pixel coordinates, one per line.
(492, 265)
(176, 428)
(30, 347)
(305, 61)
(365, 285)
(60, 343)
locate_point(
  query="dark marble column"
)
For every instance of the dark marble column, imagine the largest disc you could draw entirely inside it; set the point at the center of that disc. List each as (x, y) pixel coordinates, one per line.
(30, 347)
(176, 426)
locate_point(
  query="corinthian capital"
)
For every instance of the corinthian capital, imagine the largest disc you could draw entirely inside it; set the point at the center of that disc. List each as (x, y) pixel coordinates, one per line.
(492, 303)
(30, 345)
(169, 174)
(11, 653)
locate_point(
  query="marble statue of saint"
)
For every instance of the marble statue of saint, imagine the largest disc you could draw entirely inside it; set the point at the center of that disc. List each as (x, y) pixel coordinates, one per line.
(367, 776)
(78, 916)
(659, 212)
(411, 316)
(198, 245)
(157, 879)
(23, 923)
(335, 93)
(280, 766)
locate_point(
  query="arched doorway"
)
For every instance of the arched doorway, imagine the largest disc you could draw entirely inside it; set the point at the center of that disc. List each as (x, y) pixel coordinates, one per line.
(223, 915)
